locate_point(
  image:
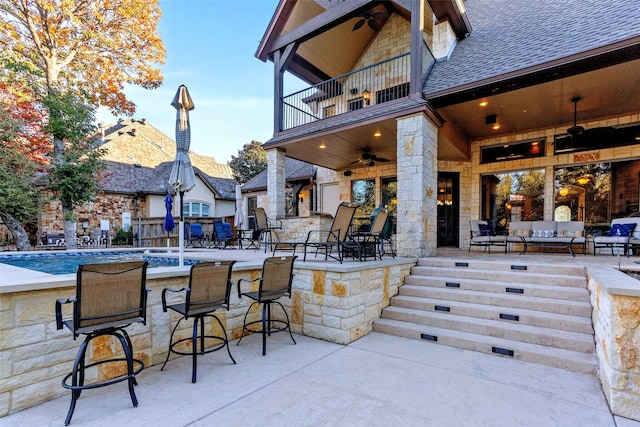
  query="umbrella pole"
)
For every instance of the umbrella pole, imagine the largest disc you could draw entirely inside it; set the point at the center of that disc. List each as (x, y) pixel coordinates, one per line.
(181, 232)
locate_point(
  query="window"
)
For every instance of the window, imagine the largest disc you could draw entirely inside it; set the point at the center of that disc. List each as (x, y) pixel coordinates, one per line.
(196, 209)
(392, 93)
(355, 104)
(514, 196)
(596, 193)
(363, 193)
(252, 203)
(329, 111)
(390, 194)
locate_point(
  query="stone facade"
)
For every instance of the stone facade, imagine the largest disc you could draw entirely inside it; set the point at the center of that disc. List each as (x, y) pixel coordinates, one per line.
(337, 303)
(615, 298)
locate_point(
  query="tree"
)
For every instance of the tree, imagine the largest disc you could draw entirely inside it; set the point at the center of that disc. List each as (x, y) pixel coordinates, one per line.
(251, 160)
(96, 46)
(90, 49)
(75, 175)
(18, 197)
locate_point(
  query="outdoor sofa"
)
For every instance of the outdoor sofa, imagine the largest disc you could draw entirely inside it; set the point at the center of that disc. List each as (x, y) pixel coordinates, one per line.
(547, 234)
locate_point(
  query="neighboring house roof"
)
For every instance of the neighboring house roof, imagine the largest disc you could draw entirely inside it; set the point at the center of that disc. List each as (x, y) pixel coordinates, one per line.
(126, 178)
(294, 170)
(513, 36)
(138, 142)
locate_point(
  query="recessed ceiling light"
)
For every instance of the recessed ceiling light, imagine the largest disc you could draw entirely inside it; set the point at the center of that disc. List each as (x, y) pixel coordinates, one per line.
(483, 103)
(322, 145)
(378, 133)
(496, 126)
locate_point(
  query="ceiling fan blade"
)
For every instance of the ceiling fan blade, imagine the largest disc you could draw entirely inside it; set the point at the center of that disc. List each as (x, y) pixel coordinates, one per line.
(380, 159)
(378, 15)
(359, 24)
(373, 24)
(354, 162)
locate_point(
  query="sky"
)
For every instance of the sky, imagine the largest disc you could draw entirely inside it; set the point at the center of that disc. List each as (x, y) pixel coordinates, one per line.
(210, 47)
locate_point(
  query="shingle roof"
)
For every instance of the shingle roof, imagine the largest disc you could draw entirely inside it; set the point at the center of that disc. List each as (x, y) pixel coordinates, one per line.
(126, 178)
(511, 35)
(294, 170)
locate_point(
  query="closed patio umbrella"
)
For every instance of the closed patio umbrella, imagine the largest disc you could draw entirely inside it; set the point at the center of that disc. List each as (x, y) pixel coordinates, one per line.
(169, 224)
(238, 220)
(182, 177)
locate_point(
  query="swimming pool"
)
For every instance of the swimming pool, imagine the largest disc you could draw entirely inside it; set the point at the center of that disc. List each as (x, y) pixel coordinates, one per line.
(66, 263)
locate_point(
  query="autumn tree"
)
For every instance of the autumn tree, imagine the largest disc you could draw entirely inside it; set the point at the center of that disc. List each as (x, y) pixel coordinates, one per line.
(251, 160)
(90, 49)
(18, 198)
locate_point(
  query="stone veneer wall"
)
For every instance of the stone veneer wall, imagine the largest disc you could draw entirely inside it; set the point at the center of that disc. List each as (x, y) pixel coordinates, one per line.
(615, 298)
(333, 302)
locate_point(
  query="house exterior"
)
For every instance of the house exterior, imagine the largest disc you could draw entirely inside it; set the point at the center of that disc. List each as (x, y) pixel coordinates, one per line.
(450, 110)
(139, 160)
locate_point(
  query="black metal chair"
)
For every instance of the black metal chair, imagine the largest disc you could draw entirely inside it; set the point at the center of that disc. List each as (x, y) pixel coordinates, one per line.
(208, 291)
(266, 226)
(109, 297)
(275, 282)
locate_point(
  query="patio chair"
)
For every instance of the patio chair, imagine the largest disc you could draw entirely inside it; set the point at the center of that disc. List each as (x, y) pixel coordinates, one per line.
(208, 291)
(195, 236)
(275, 282)
(336, 237)
(370, 242)
(109, 297)
(266, 227)
(223, 236)
(483, 235)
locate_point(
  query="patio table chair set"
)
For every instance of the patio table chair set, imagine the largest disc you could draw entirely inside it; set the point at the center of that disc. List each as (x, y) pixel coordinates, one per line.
(112, 296)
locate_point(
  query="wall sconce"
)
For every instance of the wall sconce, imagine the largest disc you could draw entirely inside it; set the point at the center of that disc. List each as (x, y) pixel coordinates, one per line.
(366, 95)
(300, 197)
(563, 191)
(508, 206)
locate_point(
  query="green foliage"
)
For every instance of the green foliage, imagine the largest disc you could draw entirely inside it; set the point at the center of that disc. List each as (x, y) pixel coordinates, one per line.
(18, 196)
(251, 160)
(123, 237)
(78, 162)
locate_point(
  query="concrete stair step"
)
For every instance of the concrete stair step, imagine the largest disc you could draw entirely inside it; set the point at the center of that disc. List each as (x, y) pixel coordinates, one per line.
(501, 287)
(516, 301)
(502, 276)
(510, 265)
(581, 324)
(550, 356)
(560, 339)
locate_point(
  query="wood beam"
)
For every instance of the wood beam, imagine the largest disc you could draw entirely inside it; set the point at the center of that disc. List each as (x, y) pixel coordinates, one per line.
(332, 17)
(417, 45)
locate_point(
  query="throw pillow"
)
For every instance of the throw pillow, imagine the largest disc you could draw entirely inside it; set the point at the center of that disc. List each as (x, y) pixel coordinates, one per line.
(621, 230)
(485, 229)
(520, 233)
(569, 233)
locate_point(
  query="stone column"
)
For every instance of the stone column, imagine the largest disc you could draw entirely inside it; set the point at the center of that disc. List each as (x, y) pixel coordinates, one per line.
(275, 183)
(417, 140)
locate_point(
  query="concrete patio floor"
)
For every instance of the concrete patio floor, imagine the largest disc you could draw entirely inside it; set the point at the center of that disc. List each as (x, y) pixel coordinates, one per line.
(379, 380)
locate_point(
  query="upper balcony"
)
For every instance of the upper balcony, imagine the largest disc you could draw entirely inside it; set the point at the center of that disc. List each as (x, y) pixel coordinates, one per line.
(372, 85)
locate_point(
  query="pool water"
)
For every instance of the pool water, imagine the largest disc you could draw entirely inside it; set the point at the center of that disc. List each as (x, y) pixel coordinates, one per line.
(66, 263)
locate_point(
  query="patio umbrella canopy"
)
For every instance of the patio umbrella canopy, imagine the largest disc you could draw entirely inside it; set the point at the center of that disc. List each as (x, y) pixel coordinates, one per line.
(169, 224)
(182, 177)
(238, 220)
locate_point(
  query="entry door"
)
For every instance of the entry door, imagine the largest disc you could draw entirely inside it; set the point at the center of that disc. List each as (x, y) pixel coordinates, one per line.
(448, 209)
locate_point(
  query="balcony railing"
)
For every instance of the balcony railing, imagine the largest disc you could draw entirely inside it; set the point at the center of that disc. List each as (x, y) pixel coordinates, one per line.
(372, 85)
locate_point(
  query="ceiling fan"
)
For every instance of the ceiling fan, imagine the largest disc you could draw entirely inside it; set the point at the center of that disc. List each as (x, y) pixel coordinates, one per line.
(371, 18)
(367, 158)
(575, 130)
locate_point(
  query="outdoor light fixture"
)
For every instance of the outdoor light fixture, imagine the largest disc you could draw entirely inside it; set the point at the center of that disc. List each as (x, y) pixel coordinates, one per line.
(366, 95)
(563, 191)
(584, 179)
